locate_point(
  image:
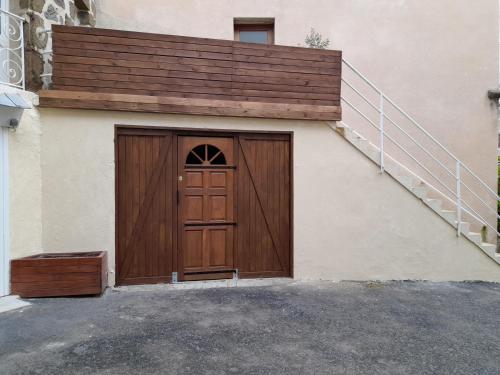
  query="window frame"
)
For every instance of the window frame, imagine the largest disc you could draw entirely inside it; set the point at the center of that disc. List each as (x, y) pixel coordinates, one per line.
(267, 27)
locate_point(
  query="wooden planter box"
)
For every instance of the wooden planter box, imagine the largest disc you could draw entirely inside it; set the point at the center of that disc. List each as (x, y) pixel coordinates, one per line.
(59, 274)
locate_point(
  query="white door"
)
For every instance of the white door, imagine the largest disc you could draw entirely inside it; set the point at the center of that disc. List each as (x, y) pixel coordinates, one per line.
(4, 209)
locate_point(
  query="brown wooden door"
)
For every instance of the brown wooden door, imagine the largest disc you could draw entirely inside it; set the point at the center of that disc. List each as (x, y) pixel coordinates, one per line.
(264, 234)
(144, 206)
(206, 205)
(202, 206)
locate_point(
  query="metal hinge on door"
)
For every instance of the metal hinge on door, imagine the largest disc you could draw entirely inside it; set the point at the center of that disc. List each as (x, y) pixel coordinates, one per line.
(174, 278)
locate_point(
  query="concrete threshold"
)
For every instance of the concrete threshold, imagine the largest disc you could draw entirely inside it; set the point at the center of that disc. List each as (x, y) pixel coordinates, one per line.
(9, 303)
(206, 284)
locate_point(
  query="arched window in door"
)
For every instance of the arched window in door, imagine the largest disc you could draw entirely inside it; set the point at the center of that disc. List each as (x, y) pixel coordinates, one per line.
(205, 154)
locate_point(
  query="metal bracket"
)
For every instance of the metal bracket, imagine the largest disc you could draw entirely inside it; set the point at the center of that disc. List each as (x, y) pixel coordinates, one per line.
(174, 278)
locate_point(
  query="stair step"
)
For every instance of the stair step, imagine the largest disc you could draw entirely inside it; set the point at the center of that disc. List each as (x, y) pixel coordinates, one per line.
(407, 181)
(464, 227)
(341, 128)
(489, 248)
(420, 191)
(450, 216)
(475, 237)
(435, 204)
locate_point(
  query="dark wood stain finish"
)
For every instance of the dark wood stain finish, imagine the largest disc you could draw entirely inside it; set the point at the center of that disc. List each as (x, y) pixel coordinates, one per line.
(264, 202)
(197, 214)
(59, 274)
(122, 62)
(206, 204)
(144, 206)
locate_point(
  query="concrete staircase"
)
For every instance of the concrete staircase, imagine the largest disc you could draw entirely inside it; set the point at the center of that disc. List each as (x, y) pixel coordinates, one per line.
(416, 186)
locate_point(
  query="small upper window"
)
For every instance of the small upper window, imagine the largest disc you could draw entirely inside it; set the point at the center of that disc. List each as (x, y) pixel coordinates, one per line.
(254, 30)
(205, 155)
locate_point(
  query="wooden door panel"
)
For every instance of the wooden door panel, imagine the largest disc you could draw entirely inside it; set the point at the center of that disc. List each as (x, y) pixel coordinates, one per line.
(208, 248)
(217, 208)
(264, 200)
(194, 179)
(193, 208)
(218, 179)
(193, 248)
(144, 206)
(220, 247)
(206, 205)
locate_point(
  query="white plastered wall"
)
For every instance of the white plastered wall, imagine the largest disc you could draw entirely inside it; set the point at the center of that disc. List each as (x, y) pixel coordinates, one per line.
(25, 183)
(350, 222)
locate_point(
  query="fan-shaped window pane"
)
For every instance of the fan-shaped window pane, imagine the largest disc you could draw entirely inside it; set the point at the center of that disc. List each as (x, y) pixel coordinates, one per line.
(200, 151)
(205, 155)
(211, 152)
(193, 159)
(219, 159)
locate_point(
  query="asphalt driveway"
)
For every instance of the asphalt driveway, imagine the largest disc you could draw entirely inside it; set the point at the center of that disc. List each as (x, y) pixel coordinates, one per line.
(296, 328)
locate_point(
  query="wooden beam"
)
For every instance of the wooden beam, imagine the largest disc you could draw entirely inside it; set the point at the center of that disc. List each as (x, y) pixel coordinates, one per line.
(165, 104)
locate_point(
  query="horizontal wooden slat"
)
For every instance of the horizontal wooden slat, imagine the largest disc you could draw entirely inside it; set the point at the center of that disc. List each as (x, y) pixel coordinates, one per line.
(138, 103)
(55, 94)
(208, 276)
(76, 79)
(29, 262)
(313, 55)
(146, 280)
(26, 291)
(306, 82)
(212, 74)
(195, 95)
(151, 82)
(158, 89)
(20, 269)
(52, 277)
(167, 67)
(129, 51)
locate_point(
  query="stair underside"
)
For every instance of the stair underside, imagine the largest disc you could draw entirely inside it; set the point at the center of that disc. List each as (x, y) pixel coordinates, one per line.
(416, 186)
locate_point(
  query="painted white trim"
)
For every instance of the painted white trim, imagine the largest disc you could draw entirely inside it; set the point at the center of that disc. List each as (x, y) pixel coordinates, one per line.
(4, 213)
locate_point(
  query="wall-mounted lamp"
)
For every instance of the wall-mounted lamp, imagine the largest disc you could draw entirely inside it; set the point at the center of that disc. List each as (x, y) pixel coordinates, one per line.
(11, 109)
(494, 94)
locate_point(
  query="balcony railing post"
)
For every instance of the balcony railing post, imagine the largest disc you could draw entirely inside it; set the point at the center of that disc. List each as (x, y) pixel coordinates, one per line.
(459, 197)
(381, 126)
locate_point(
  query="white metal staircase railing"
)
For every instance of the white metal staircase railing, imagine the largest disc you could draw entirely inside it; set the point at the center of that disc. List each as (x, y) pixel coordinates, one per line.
(11, 50)
(457, 183)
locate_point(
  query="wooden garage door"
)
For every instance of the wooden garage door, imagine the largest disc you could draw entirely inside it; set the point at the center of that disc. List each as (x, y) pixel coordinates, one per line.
(198, 203)
(144, 206)
(264, 206)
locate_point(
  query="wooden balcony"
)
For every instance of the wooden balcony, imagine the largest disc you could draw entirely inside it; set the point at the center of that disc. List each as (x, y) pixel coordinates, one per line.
(142, 72)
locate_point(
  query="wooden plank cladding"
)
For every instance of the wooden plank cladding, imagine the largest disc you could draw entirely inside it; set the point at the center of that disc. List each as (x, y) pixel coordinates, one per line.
(206, 76)
(59, 274)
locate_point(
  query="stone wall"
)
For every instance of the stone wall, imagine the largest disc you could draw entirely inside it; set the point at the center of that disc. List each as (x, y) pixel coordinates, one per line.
(40, 15)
